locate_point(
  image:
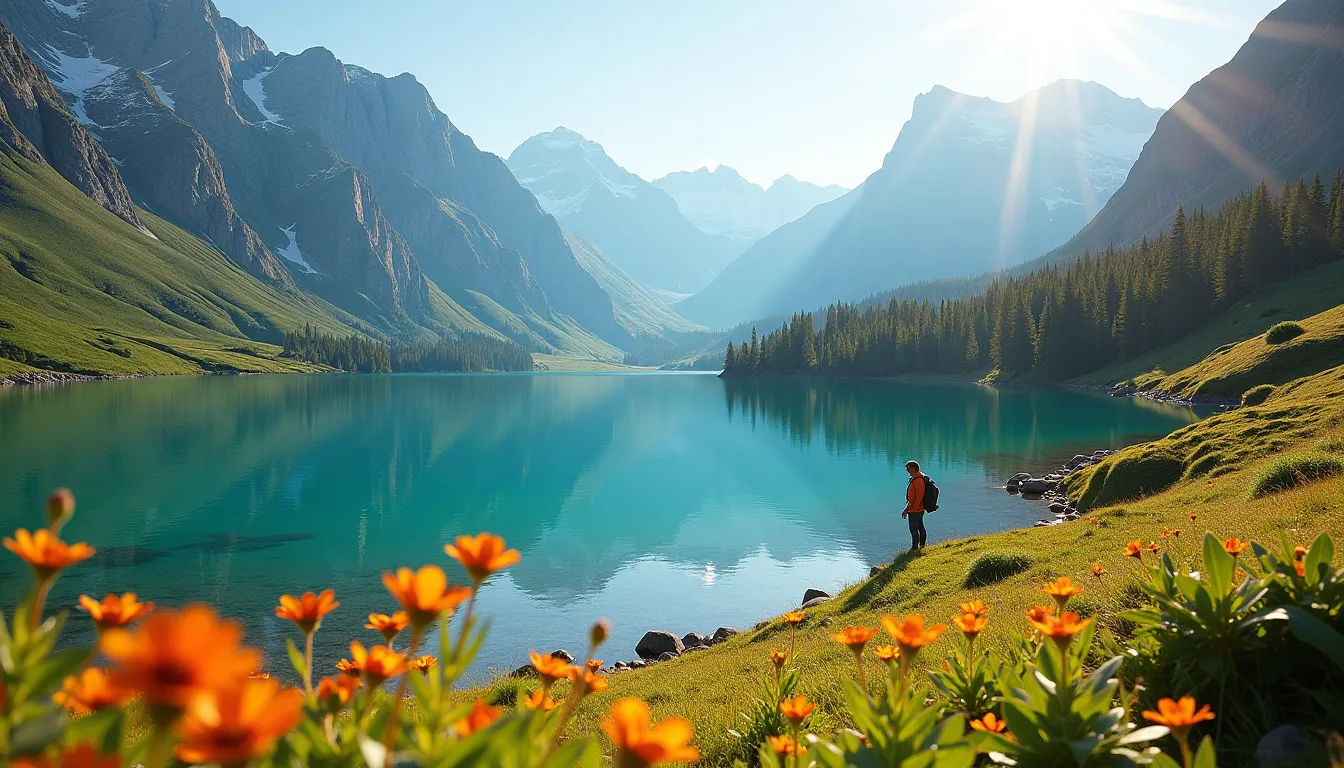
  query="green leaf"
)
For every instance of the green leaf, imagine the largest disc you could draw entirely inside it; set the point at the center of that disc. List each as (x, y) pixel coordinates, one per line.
(35, 734)
(1207, 756)
(1150, 733)
(1322, 552)
(296, 658)
(1317, 634)
(1218, 565)
(102, 728)
(45, 678)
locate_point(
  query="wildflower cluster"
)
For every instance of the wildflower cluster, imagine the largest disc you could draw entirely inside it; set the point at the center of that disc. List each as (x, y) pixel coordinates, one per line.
(209, 700)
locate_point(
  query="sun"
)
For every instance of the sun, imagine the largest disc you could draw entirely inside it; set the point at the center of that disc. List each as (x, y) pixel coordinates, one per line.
(1053, 34)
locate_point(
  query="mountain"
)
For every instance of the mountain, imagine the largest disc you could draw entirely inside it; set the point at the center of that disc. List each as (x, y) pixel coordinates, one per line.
(721, 202)
(1274, 112)
(636, 224)
(318, 177)
(971, 184)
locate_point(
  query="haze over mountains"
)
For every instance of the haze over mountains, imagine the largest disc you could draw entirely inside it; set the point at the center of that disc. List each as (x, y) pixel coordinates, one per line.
(721, 202)
(970, 185)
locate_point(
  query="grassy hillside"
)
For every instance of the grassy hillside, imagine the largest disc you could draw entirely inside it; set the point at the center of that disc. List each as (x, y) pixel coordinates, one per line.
(82, 291)
(1297, 297)
(710, 688)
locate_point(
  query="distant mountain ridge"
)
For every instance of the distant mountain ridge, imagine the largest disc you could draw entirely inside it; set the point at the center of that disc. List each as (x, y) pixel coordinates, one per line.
(341, 184)
(636, 224)
(721, 202)
(970, 184)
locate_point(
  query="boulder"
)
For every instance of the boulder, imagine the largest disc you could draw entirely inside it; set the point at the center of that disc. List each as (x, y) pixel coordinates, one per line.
(667, 656)
(1077, 461)
(1035, 485)
(1284, 746)
(637, 664)
(723, 633)
(1016, 481)
(813, 594)
(620, 665)
(563, 655)
(814, 602)
(655, 643)
(876, 569)
(527, 670)
(1057, 508)
(692, 639)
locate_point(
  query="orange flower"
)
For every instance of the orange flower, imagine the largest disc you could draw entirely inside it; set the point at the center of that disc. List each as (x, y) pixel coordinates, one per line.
(539, 700)
(910, 633)
(378, 663)
(45, 553)
(887, 653)
(237, 723)
(592, 682)
(1040, 613)
(424, 593)
(1094, 520)
(88, 692)
(1235, 546)
(422, 664)
(783, 745)
(1176, 532)
(594, 665)
(259, 676)
(1299, 553)
(796, 710)
(1154, 548)
(638, 743)
(1062, 589)
(778, 658)
(342, 687)
(1062, 628)
(1134, 549)
(1300, 566)
(388, 626)
(970, 624)
(307, 611)
(481, 555)
(1193, 516)
(481, 716)
(989, 724)
(854, 638)
(175, 655)
(549, 667)
(794, 617)
(114, 611)
(976, 606)
(1098, 570)
(1179, 716)
(348, 668)
(82, 755)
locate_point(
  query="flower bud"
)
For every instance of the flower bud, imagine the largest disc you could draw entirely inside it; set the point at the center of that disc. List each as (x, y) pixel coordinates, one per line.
(60, 508)
(598, 634)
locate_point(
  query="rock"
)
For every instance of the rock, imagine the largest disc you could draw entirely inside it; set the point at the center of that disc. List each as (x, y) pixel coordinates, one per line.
(1035, 485)
(1016, 480)
(812, 594)
(527, 670)
(655, 643)
(1072, 516)
(694, 648)
(563, 655)
(1057, 508)
(668, 656)
(1044, 523)
(691, 639)
(814, 602)
(620, 665)
(1284, 746)
(723, 633)
(1077, 461)
(876, 569)
(637, 664)
(1101, 452)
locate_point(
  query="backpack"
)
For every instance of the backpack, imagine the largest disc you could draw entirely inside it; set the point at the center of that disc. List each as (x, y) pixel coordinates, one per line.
(930, 495)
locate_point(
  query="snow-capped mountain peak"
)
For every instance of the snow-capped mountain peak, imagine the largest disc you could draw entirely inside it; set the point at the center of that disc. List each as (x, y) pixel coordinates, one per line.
(722, 202)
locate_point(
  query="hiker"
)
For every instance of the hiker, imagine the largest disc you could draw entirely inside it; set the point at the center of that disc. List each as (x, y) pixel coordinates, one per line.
(914, 505)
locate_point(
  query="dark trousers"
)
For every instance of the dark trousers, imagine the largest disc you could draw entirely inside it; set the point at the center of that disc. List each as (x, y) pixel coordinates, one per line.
(917, 533)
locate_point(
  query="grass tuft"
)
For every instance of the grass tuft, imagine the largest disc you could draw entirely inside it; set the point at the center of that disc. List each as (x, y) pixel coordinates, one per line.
(1257, 395)
(993, 567)
(1285, 331)
(1291, 471)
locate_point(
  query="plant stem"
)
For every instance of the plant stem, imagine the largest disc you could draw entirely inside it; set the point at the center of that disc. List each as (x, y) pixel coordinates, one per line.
(390, 732)
(863, 679)
(39, 604)
(308, 664)
(466, 627)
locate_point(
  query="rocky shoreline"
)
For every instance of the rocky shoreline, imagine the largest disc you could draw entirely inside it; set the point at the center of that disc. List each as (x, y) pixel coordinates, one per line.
(41, 378)
(1048, 487)
(1126, 389)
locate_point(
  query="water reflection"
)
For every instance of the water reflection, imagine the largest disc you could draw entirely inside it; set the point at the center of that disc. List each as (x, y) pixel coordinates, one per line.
(641, 498)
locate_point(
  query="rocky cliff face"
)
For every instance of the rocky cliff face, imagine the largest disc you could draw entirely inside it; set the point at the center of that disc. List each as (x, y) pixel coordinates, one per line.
(35, 122)
(1275, 111)
(301, 167)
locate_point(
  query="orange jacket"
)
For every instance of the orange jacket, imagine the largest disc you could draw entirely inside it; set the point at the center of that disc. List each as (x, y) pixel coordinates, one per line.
(914, 494)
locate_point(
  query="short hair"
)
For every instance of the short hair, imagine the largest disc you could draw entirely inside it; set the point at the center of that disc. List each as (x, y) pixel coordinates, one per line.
(912, 465)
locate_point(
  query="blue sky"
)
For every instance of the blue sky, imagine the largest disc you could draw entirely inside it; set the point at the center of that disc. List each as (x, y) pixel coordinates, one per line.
(818, 89)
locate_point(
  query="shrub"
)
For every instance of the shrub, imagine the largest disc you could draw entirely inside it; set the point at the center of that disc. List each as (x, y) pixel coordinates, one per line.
(991, 567)
(1257, 395)
(1333, 444)
(1131, 476)
(1292, 471)
(1285, 331)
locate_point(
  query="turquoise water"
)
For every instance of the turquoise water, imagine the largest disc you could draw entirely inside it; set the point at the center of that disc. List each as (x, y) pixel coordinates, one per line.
(659, 501)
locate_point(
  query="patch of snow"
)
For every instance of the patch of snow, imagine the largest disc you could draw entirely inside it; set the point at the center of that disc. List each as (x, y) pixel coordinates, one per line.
(291, 252)
(1051, 203)
(76, 76)
(255, 89)
(357, 73)
(560, 207)
(164, 96)
(72, 11)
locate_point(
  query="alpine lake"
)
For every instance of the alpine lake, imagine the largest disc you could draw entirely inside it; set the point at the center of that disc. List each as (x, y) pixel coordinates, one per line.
(657, 500)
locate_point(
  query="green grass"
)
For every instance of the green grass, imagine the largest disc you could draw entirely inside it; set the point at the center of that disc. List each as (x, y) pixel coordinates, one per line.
(1257, 395)
(993, 567)
(1285, 331)
(1292, 471)
(1303, 295)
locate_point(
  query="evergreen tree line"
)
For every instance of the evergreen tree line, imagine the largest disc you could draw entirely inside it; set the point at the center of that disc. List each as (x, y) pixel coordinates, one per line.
(1064, 321)
(359, 354)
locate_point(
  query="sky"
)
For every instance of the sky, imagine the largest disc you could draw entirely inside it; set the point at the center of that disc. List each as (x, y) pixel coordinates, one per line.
(818, 89)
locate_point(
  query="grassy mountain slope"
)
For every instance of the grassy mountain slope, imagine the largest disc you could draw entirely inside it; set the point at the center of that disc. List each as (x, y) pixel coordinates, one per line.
(82, 291)
(1219, 457)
